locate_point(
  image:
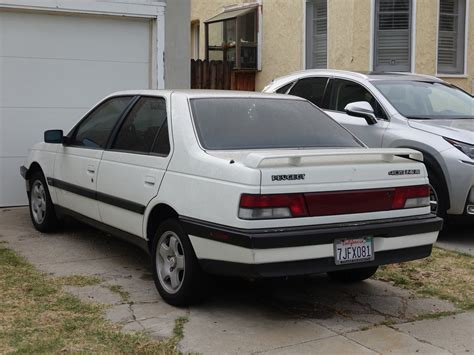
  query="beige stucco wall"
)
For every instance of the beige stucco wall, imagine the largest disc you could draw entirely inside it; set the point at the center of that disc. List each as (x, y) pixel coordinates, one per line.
(349, 30)
(282, 38)
(349, 34)
(426, 45)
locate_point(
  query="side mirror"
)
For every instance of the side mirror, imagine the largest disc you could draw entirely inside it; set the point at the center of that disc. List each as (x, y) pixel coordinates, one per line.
(361, 109)
(54, 136)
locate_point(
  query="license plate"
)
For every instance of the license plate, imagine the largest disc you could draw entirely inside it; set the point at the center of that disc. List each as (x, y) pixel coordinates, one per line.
(348, 251)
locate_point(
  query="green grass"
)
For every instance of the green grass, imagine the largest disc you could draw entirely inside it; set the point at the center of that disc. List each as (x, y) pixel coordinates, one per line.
(37, 316)
(445, 274)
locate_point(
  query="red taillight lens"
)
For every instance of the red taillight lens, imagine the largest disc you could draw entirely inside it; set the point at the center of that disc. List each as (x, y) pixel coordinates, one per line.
(294, 202)
(404, 194)
(333, 202)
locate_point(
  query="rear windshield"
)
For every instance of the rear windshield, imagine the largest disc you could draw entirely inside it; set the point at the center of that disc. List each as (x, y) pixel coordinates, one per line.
(250, 123)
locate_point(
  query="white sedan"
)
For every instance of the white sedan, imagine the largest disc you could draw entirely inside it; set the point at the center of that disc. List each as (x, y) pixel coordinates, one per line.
(246, 184)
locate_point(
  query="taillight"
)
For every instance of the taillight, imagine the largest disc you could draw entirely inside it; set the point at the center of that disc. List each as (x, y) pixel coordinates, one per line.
(411, 197)
(333, 202)
(272, 206)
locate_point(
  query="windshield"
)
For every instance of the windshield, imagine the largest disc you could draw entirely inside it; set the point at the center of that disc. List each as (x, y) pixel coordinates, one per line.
(425, 100)
(258, 123)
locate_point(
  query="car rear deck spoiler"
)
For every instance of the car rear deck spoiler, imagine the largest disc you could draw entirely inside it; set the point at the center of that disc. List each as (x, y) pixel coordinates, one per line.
(255, 160)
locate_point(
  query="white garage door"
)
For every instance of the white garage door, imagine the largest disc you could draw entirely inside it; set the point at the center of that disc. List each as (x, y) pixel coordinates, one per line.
(55, 67)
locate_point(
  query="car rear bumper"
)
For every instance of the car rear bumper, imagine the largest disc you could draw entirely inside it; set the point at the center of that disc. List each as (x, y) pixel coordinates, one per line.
(310, 266)
(309, 249)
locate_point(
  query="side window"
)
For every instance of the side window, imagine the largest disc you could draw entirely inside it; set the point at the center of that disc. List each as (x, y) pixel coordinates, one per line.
(145, 123)
(284, 89)
(94, 131)
(312, 89)
(345, 92)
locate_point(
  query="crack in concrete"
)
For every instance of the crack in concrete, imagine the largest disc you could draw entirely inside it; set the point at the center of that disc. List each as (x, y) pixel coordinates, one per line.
(290, 345)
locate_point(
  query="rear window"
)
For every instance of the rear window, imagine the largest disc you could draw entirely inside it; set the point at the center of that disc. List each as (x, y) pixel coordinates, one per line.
(249, 123)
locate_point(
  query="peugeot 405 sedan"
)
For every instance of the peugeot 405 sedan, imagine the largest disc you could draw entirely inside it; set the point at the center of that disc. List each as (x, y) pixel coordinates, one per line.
(226, 183)
(402, 110)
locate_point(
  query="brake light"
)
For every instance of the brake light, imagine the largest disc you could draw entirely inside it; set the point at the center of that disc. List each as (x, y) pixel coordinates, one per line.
(333, 202)
(411, 197)
(272, 206)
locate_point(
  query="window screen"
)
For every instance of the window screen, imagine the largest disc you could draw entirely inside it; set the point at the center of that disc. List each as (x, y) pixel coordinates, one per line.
(312, 89)
(451, 36)
(316, 34)
(95, 130)
(345, 92)
(392, 35)
(142, 125)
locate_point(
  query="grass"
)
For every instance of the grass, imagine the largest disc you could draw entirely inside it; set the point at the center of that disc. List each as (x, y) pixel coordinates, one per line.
(120, 291)
(37, 316)
(445, 274)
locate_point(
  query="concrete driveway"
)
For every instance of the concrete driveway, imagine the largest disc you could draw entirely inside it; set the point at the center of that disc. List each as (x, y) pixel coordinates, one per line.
(308, 315)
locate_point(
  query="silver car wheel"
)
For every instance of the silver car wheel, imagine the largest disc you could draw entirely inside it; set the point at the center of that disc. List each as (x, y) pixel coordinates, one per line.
(170, 262)
(434, 202)
(38, 202)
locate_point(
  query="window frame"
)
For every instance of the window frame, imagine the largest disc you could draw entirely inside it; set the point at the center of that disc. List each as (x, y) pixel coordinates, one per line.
(72, 133)
(309, 34)
(464, 47)
(249, 9)
(120, 123)
(411, 37)
(329, 90)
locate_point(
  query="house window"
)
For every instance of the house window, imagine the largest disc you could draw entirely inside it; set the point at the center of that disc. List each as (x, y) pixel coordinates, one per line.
(232, 37)
(451, 36)
(316, 34)
(392, 40)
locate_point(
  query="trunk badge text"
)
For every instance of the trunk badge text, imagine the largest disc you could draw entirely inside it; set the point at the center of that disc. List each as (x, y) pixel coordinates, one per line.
(288, 177)
(404, 172)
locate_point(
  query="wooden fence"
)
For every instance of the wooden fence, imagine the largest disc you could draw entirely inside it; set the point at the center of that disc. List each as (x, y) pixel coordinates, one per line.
(219, 75)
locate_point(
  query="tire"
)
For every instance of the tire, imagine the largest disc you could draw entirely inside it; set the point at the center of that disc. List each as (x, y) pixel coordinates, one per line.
(41, 206)
(176, 271)
(353, 275)
(438, 195)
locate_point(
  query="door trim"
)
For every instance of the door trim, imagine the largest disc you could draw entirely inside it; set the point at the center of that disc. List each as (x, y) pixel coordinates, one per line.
(99, 196)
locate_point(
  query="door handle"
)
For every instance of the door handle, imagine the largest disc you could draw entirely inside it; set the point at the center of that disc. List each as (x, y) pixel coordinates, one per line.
(150, 180)
(91, 169)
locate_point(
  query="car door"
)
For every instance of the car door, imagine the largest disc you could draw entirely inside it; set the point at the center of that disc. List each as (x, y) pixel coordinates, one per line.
(343, 92)
(77, 162)
(133, 166)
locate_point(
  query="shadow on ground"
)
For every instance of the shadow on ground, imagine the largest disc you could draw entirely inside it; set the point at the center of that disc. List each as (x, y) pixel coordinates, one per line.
(238, 316)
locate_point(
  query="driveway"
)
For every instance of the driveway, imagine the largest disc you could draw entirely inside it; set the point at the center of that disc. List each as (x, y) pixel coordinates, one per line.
(307, 315)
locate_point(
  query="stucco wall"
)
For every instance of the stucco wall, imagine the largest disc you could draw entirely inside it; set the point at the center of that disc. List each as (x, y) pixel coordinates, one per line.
(282, 40)
(177, 44)
(349, 34)
(426, 43)
(349, 31)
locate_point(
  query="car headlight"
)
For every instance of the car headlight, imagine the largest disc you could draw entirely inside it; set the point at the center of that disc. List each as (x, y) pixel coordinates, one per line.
(466, 148)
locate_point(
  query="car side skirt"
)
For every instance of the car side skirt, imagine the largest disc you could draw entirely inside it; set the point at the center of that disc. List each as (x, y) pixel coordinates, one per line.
(115, 232)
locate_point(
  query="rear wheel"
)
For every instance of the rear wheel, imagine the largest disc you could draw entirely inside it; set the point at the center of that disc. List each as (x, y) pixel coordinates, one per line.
(177, 274)
(353, 275)
(41, 207)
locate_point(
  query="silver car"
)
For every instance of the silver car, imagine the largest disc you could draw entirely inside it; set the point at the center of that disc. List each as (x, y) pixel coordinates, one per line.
(402, 110)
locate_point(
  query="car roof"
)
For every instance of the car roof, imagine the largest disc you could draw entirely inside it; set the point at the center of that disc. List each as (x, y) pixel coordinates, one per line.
(370, 76)
(198, 93)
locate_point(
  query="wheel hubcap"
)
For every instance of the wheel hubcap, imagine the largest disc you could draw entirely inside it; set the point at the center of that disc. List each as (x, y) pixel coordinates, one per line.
(38, 202)
(433, 200)
(170, 263)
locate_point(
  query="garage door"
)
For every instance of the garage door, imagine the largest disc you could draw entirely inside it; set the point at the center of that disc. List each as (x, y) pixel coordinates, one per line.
(52, 69)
